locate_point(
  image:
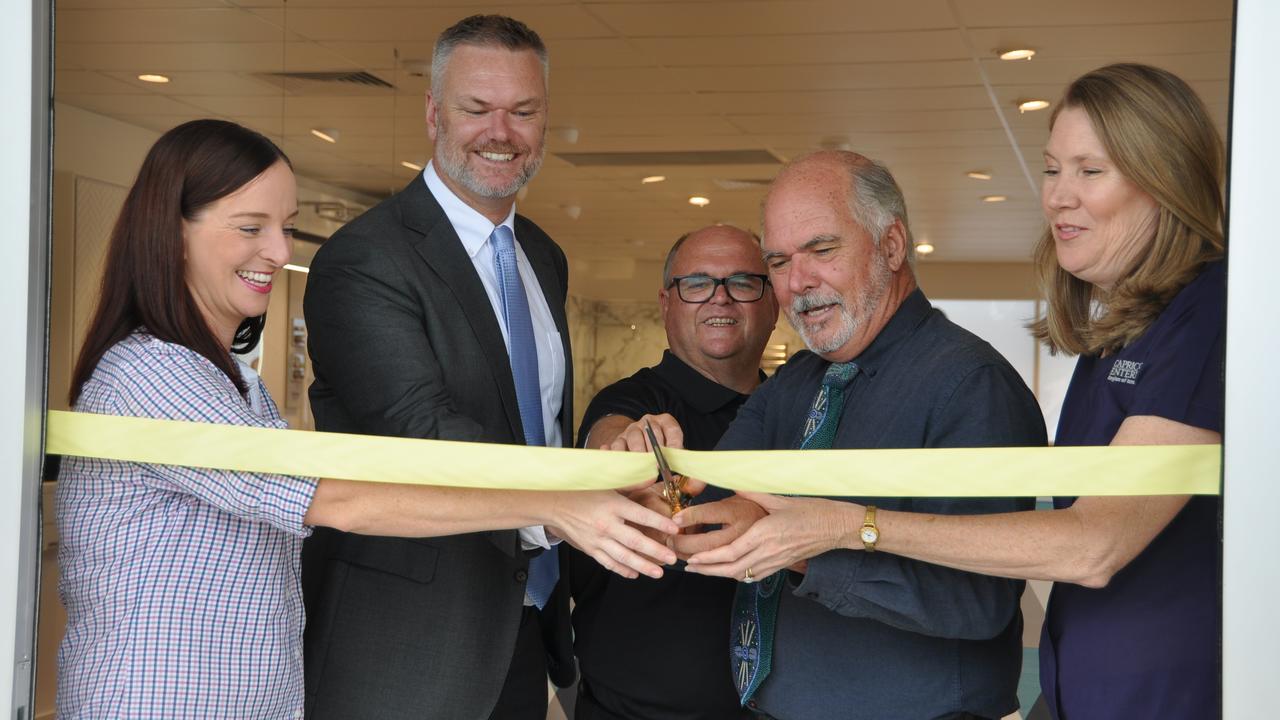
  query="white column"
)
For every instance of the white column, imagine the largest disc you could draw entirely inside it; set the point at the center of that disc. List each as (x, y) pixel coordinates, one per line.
(1251, 566)
(24, 174)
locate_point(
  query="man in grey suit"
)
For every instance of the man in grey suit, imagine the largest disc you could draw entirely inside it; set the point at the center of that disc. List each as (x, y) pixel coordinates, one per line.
(440, 314)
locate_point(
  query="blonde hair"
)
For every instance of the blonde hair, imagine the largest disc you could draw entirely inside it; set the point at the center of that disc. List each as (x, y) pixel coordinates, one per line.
(1159, 134)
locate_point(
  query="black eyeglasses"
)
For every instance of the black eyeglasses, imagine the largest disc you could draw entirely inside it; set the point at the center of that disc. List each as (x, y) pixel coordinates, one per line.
(742, 287)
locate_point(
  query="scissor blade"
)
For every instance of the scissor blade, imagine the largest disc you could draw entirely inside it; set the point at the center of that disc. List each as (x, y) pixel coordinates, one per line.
(671, 488)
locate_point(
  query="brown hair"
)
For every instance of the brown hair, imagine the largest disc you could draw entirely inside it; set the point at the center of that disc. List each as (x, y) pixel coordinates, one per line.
(144, 277)
(1159, 134)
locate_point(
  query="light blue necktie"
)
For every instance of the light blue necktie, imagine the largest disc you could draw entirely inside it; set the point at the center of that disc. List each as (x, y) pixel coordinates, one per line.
(755, 607)
(522, 348)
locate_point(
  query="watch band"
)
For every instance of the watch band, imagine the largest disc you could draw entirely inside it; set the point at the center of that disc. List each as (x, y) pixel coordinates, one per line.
(870, 533)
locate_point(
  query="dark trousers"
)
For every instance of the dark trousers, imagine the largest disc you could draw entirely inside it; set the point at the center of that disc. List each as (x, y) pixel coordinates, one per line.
(524, 692)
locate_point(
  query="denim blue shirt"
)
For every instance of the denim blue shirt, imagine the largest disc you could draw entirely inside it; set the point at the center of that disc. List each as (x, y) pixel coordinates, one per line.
(873, 635)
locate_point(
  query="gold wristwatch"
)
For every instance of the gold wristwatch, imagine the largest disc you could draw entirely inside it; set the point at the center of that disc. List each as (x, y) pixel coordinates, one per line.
(869, 532)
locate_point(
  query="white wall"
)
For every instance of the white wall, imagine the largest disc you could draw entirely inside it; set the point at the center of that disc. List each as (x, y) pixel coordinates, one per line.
(22, 285)
(1251, 573)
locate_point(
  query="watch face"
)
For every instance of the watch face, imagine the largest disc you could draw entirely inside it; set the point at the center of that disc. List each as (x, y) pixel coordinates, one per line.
(869, 535)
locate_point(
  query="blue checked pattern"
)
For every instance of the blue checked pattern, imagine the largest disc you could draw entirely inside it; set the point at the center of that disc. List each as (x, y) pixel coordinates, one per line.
(755, 607)
(181, 585)
(544, 569)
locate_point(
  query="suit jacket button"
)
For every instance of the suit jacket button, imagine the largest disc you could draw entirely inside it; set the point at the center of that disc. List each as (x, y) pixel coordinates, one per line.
(521, 576)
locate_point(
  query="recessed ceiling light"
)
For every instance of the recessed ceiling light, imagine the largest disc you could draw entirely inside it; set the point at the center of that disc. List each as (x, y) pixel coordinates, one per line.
(994, 198)
(148, 77)
(326, 134)
(1018, 54)
(924, 247)
(699, 201)
(411, 165)
(653, 179)
(1030, 105)
(978, 175)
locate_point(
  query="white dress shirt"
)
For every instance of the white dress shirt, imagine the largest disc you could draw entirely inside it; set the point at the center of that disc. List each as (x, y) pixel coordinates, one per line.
(473, 230)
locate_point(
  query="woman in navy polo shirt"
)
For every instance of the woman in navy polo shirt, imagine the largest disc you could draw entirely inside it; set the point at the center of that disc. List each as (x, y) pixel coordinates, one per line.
(1131, 268)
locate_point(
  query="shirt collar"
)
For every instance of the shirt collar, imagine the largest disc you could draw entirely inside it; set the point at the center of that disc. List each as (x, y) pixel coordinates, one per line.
(910, 314)
(704, 394)
(473, 229)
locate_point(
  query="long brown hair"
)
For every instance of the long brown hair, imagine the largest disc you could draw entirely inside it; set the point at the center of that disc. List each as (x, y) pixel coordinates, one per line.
(1159, 134)
(144, 277)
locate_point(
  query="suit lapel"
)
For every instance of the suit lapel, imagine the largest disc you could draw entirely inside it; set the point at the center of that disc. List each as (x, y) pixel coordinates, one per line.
(441, 249)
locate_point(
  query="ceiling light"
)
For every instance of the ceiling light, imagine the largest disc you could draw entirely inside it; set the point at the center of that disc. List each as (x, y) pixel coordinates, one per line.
(699, 201)
(653, 179)
(148, 77)
(978, 175)
(411, 165)
(994, 198)
(1018, 54)
(573, 211)
(326, 134)
(1030, 105)
(297, 268)
(567, 134)
(924, 247)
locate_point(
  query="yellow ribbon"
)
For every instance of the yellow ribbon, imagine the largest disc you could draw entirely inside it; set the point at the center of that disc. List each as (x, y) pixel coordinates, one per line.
(949, 472)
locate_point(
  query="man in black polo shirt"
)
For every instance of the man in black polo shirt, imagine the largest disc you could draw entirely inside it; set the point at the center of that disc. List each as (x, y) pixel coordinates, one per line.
(628, 635)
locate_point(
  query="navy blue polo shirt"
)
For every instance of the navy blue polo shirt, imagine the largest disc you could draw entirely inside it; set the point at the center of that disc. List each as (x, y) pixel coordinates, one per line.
(1147, 645)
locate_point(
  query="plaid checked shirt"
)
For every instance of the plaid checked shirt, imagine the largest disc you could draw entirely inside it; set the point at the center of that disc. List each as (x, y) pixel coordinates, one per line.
(181, 585)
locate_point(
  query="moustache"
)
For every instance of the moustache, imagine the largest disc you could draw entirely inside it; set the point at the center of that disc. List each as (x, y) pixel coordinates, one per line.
(811, 300)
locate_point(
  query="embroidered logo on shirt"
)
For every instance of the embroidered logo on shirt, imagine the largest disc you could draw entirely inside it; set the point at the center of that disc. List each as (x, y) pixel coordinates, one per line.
(1125, 371)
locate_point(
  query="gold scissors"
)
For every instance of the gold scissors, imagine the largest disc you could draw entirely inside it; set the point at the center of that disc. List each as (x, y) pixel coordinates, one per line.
(672, 484)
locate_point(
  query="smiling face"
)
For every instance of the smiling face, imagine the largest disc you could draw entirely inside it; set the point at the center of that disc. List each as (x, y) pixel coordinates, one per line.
(1101, 222)
(488, 122)
(235, 245)
(722, 332)
(836, 284)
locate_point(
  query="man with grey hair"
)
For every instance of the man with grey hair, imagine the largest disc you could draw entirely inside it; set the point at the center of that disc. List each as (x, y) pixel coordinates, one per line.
(440, 314)
(823, 626)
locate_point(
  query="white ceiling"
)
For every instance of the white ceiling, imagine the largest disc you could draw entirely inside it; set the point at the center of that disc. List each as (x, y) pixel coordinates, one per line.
(899, 80)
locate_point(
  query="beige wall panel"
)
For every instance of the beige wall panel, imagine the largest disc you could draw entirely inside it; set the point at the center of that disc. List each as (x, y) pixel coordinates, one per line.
(773, 17)
(412, 24)
(1096, 41)
(945, 73)
(174, 25)
(197, 55)
(977, 281)
(1014, 13)
(773, 49)
(97, 204)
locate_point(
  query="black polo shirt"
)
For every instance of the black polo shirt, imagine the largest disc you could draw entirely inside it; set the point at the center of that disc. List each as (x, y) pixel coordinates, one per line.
(657, 649)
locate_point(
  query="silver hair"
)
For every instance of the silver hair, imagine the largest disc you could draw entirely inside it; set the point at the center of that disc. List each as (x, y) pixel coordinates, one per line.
(876, 201)
(486, 30)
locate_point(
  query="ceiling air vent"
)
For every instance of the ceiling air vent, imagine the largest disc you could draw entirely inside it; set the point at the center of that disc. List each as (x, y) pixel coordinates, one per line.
(678, 157)
(351, 77)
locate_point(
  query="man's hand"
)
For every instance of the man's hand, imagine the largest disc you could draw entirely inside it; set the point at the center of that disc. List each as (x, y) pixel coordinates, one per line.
(735, 514)
(632, 437)
(650, 496)
(795, 529)
(597, 523)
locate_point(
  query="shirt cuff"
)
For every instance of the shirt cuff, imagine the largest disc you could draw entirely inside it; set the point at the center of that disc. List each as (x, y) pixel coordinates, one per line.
(829, 577)
(534, 537)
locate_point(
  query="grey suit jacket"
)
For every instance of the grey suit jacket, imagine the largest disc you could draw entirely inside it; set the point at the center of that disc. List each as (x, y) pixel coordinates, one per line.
(404, 342)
